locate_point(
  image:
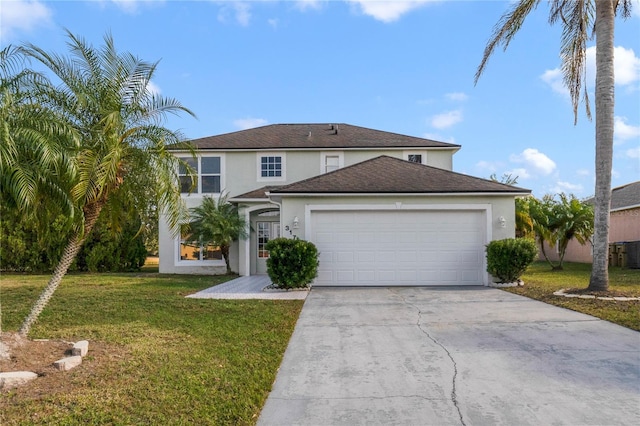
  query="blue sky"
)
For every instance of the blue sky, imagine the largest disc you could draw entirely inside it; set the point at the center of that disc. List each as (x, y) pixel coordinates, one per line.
(404, 67)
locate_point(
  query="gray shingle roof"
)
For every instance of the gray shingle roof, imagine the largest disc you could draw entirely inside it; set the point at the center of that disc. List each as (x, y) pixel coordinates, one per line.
(391, 175)
(314, 136)
(258, 193)
(625, 196)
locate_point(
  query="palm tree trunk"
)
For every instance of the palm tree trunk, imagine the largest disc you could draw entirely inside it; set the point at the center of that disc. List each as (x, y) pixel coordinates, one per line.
(225, 254)
(605, 81)
(91, 213)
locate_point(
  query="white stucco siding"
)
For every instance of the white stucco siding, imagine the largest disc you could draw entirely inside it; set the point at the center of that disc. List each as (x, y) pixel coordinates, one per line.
(482, 213)
(504, 206)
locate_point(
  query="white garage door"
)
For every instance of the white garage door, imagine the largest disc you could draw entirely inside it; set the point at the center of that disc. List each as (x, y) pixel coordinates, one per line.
(411, 248)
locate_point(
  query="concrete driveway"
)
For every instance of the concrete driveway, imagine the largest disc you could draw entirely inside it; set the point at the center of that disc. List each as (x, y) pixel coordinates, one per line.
(452, 356)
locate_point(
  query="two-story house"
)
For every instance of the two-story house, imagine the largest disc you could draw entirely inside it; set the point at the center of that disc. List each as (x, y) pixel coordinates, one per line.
(382, 208)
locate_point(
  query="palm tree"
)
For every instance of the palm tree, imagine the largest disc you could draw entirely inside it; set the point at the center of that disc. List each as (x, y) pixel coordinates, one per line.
(574, 219)
(33, 140)
(524, 222)
(105, 96)
(578, 25)
(544, 223)
(216, 223)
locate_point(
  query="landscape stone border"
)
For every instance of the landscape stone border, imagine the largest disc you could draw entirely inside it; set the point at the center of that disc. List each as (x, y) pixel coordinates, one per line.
(12, 379)
(503, 285)
(562, 293)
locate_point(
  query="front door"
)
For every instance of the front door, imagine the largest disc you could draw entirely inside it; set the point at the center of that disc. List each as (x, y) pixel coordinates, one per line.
(265, 231)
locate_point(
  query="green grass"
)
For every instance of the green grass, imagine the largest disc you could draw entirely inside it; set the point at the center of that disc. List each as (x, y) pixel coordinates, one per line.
(541, 282)
(172, 361)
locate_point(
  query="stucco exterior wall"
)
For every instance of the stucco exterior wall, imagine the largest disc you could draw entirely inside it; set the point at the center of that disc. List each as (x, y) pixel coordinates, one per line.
(239, 174)
(496, 207)
(624, 226)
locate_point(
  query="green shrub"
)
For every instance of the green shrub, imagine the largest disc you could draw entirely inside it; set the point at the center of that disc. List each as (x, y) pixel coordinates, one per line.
(27, 246)
(508, 259)
(292, 263)
(109, 251)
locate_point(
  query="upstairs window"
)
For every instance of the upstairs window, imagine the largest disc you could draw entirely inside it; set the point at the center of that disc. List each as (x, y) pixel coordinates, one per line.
(271, 166)
(415, 158)
(331, 161)
(207, 175)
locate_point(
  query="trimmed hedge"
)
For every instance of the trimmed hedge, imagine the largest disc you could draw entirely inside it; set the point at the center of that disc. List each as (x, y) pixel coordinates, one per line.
(292, 263)
(508, 259)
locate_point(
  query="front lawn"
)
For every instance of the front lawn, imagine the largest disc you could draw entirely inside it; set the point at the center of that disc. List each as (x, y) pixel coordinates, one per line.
(155, 357)
(540, 282)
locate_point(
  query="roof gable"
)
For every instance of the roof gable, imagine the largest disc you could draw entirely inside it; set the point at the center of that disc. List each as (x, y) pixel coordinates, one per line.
(391, 175)
(314, 136)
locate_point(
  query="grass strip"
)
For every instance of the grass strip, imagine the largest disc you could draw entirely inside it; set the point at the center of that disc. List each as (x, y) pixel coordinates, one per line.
(541, 282)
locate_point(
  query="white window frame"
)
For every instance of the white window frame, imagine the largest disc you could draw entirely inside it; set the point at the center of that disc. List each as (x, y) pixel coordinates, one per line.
(283, 163)
(323, 159)
(199, 163)
(406, 154)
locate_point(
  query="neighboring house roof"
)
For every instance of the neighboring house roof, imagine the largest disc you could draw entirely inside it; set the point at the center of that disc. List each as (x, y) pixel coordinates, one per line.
(313, 136)
(257, 194)
(624, 197)
(391, 175)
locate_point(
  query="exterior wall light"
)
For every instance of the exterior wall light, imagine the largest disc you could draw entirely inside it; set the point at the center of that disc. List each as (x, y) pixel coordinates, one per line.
(502, 221)
(296, 222)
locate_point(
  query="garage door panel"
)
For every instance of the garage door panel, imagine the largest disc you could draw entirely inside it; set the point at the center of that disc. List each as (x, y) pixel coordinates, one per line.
(324, 237)
(408, 257)
(386, 276)
(325, 257)
(345, 276)
(385, 256)
(399, 248)
(366, 276)
(345, 256)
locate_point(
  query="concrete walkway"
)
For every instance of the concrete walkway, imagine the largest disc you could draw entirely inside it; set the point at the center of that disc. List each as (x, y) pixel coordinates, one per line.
(452, 356)
(250, 287)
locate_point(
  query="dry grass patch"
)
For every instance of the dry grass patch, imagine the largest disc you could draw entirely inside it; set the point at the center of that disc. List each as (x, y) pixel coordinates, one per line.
(541, 282)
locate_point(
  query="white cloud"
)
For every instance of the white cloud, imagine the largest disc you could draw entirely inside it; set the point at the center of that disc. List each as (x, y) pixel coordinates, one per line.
(240, 10)
(153, 88)
(22, 16)
(583, 172)
(554, 79)
(624, 131)
(249, 123)
(446, 119)
(626, 69)
(387, 11)
(308, 4)
(567, 187)
(535, 159)
(457, 96)
(273, 22)
(132, 6)
(625, 63)
(487, 166)
(633, 152)
(519, 173)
